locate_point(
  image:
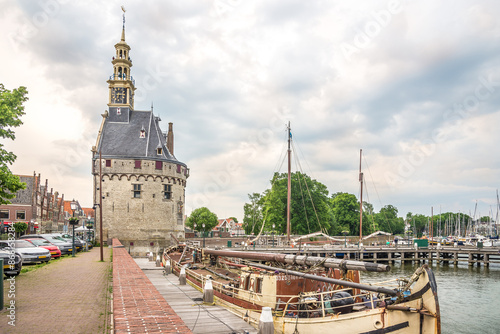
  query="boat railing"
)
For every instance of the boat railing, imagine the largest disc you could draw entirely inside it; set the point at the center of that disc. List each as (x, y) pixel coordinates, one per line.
(308, 304)
(330, 303)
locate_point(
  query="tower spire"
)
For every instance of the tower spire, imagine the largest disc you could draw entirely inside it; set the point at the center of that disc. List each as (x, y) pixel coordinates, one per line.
(121, 83)
(123, 29)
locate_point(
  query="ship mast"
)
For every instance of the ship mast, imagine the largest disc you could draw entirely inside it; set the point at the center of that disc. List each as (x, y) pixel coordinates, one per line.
(289, 187)
(360, 200)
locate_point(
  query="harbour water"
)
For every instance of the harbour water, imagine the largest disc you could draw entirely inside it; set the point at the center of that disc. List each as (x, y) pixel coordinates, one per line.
(469, 297)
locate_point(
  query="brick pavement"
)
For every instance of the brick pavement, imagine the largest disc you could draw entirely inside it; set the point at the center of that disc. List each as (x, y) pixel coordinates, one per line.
(67, 296)
(137, 306)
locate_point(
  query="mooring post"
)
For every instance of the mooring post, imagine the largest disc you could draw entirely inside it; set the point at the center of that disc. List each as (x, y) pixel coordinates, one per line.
(208, 292)
(167, 267)
(266, 325)
(182, 276)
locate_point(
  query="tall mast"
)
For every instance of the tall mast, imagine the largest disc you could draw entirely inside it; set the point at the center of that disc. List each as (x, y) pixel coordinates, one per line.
(289, 194)
(360, 200)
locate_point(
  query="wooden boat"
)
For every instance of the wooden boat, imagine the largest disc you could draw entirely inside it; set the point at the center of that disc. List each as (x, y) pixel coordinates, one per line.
(310, 294)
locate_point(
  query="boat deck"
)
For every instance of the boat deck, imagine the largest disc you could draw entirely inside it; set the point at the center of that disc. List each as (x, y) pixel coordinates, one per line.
(187, 302)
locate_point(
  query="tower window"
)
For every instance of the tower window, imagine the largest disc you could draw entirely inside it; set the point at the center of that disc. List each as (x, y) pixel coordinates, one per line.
(158, 151)
(108, 163)
(159, 165)
(142, 134)
(118, 111)
(137, 190)
(167, 191)
(137, 164)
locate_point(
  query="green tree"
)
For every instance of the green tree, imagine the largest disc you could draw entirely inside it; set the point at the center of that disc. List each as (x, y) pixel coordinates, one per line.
(11, 110)
(418, 223)
(345, 212)
(202, 216)
(252, 219)
(20, 228)
(309, 209)
(388, 221)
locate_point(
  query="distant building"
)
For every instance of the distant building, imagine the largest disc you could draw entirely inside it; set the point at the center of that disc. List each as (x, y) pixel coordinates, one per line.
(228, 228)
(42, 210)
(143, 183)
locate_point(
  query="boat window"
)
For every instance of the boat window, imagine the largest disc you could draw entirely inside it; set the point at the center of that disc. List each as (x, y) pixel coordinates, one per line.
(258, 285)
(246, 283)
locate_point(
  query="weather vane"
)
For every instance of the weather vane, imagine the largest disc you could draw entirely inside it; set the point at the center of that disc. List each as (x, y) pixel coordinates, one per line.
(123, 9)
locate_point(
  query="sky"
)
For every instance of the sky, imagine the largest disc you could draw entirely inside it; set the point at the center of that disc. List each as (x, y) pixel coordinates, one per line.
(414, 84)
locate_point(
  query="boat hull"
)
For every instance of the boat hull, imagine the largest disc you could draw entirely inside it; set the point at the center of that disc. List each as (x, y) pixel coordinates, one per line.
(416, 312)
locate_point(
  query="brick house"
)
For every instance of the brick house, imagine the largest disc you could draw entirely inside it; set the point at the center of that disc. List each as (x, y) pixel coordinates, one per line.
(36, 206)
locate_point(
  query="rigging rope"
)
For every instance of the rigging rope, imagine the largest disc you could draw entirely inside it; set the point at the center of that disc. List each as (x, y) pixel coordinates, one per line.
(309, 192)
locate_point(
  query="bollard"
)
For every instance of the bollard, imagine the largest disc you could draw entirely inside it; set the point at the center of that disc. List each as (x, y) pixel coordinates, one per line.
(208, 293)
(167, 267)
(158, 260)
(182, 276)
(266, 325)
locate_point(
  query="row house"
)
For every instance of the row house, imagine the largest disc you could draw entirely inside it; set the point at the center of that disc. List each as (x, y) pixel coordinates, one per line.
(42, 209)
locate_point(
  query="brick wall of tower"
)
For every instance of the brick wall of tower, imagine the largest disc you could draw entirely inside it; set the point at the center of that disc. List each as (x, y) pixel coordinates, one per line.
(150, 219)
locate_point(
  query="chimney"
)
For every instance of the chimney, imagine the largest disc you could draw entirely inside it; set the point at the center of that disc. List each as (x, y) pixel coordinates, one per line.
(170, 138)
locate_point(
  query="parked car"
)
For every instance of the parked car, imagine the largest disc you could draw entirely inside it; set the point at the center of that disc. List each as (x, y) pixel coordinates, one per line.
(69, 238)
(64, 246)
(29, 252)
(55, 252)
(12, 268)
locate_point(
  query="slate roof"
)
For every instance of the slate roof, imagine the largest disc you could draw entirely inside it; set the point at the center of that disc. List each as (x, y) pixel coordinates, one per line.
(120, 137)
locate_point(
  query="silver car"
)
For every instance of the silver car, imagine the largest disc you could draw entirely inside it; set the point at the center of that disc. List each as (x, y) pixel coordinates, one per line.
(29, 252)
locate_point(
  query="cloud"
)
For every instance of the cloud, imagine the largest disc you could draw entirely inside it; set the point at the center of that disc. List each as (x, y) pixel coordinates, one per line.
(231, 74)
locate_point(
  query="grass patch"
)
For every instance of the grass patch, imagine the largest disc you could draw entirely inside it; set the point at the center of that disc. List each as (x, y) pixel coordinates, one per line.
(33, 267)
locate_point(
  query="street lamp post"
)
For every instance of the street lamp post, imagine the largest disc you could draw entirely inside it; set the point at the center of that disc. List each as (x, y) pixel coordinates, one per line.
(89, 226)
(273, 234)
(203, 234)
(345, 238)
(73, 221)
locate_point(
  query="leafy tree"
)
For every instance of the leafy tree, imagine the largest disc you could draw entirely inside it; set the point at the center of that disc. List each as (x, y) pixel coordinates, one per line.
(20, 228)
(418, 224)
(345, 211)
(252, 220)
(388, 221)
(202, 216)
(309, 209)
(11, 110)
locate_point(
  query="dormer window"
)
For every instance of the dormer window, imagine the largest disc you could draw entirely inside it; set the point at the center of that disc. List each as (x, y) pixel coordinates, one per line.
(142, 133)
(158, 151)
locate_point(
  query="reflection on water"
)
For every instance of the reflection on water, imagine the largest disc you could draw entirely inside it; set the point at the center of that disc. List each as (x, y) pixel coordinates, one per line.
(469, 297)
